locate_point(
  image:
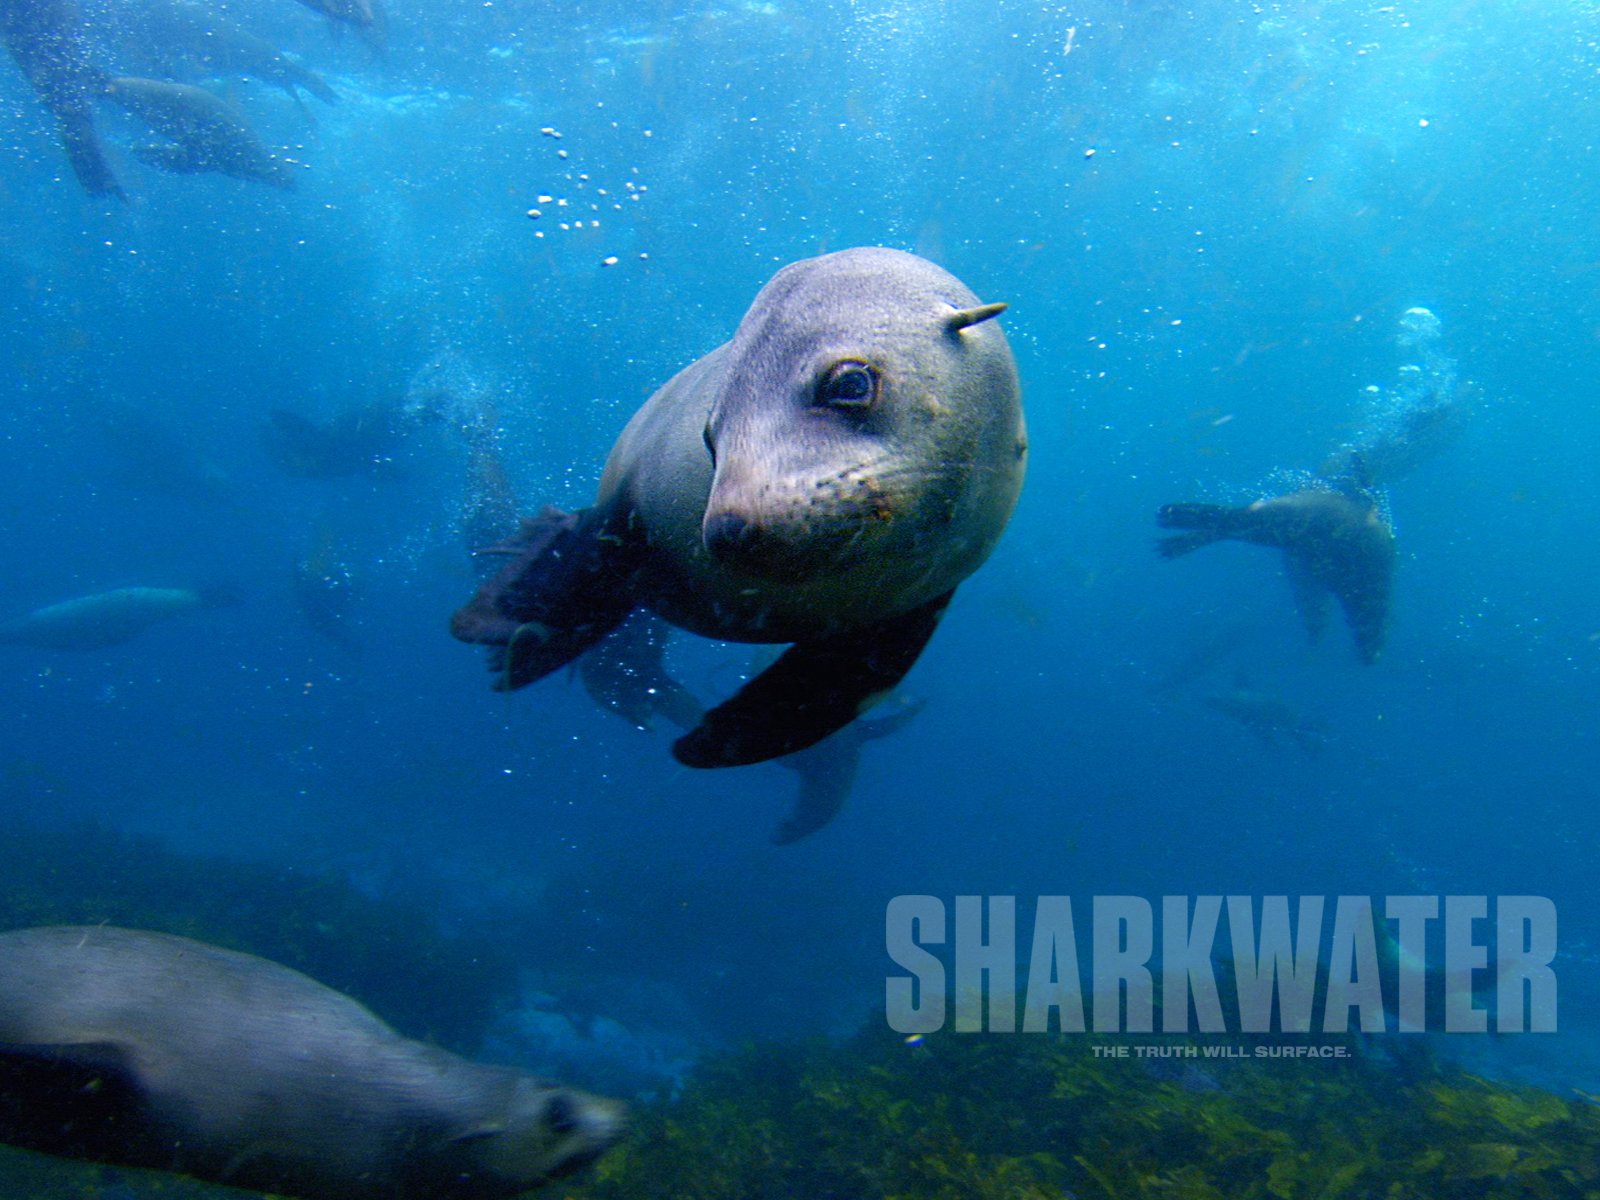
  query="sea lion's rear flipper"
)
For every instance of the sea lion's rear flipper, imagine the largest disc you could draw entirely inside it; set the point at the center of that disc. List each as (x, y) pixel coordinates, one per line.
(827, 771)
(625, 675)
(812, 690)
(1207, 522)
(1310, 594)
(567, 586)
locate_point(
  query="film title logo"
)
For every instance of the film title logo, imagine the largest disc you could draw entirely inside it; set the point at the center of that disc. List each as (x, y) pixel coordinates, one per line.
(1420, 963)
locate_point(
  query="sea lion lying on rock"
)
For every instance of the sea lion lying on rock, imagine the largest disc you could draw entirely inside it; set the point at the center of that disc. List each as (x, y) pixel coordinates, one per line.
(149, 1050)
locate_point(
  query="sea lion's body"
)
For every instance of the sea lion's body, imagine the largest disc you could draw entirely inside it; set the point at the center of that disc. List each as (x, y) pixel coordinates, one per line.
(1335, 541)
(105, 618)
(207, 132)
(827, 478)
(149, 1050)
(200, 39)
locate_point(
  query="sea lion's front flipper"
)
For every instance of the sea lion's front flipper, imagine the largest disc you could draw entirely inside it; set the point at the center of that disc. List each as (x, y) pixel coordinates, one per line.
(568, 584)
(812, 690)
(74, 1099)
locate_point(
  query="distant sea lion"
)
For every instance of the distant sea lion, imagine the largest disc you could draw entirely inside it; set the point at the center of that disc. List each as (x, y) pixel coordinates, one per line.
(149, 1050)
(108, 618)
(366, 17)
(826, 478)
(175, 34)
(46, 38)
(1270, 718)
(366, 440)
(208, 133)
(1333, 541)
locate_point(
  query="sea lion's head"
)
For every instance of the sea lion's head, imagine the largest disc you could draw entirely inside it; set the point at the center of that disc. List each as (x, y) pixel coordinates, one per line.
(543, 1132)
(867, 416)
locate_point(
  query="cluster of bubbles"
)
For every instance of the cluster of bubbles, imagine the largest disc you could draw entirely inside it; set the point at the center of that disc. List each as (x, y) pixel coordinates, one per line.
(583, 201)
(1410, 422)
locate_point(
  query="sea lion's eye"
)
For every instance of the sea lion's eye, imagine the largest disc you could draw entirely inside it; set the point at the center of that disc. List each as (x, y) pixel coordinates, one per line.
(848, 385)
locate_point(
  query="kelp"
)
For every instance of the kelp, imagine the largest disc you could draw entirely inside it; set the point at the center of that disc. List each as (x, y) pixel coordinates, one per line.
(1030, 1117)
(389, 954)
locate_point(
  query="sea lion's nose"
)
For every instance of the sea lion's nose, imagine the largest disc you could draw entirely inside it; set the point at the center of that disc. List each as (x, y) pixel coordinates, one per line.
(727, 535)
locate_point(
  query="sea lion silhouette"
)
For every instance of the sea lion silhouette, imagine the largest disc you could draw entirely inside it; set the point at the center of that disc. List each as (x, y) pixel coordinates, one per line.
(144, 1049)
(825, 478)
(108, 618)
(1335, 541)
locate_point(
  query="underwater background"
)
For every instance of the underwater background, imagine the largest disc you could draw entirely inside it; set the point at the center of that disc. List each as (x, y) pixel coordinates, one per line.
(1208, 221)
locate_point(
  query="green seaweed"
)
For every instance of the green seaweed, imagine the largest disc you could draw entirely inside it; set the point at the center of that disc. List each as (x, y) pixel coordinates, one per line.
(1030, 1117)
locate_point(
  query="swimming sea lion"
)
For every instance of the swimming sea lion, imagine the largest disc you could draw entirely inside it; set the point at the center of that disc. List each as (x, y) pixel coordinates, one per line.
(1333, 541)
(108, 618)
(208, 133)
(366, 440)
(200, 38)
(826, 478)
(366, 17)
(149, 1050)
(1270, 718)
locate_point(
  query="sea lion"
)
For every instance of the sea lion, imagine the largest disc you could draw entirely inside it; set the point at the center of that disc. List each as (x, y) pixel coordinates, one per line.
(1270, 718)
(208, 133)
(825, 478)
(108, 618)
(1334, 541)
(148, 1050)
(366, 440)
(366, 17)
(46, 38)
(199, 38)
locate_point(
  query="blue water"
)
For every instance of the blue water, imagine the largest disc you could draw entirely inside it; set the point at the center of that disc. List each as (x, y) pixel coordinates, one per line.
(1207, 221)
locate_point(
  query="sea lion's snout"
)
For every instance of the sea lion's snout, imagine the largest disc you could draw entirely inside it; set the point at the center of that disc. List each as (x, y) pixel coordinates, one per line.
(754, 546)
(725, 535)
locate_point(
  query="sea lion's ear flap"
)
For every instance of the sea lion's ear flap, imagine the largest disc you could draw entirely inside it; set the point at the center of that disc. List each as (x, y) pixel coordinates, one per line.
(814, 689)
(962, 317)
